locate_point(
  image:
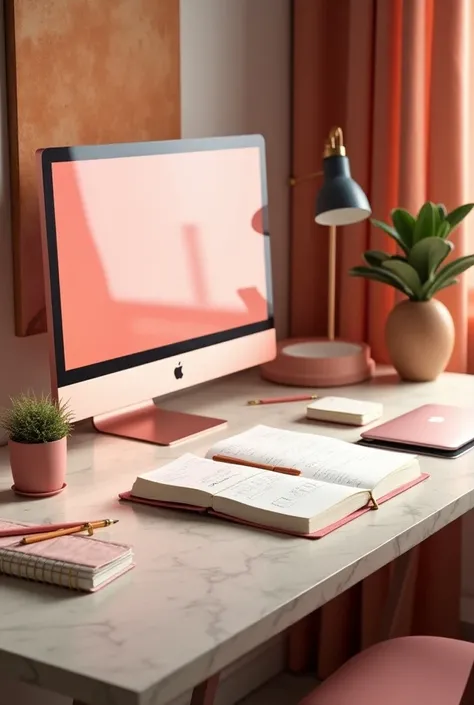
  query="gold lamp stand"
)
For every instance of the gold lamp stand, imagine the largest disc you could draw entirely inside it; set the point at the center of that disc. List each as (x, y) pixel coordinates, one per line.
(327, 362)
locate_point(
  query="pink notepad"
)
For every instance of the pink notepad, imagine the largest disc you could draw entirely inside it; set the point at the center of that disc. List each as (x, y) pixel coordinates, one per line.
(127, 496)
(77, 562)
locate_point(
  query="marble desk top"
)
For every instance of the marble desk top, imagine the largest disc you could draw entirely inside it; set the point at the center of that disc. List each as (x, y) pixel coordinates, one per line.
(204, 591)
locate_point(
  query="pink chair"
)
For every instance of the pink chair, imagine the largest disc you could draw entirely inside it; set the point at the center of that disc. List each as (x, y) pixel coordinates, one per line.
(413, 670)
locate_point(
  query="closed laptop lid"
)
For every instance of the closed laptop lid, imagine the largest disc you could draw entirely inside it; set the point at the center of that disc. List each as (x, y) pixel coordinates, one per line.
(431, 425)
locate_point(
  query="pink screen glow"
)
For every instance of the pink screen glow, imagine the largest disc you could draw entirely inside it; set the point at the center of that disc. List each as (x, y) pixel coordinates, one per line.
(158, 249)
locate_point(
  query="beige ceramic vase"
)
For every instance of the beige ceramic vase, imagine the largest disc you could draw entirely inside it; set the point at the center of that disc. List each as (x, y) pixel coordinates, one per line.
(420, 339)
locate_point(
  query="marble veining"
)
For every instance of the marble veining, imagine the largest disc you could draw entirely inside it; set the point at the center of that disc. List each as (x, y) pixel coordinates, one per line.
(204, 592)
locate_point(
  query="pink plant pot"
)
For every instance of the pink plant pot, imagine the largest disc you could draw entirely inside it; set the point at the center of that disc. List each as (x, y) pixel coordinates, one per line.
(38, 467)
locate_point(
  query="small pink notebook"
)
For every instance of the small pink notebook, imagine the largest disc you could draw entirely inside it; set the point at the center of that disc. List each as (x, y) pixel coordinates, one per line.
(127, 496)
(77, 562)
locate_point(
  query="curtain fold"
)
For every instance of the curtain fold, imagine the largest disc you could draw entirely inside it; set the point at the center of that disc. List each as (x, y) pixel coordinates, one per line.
(396, 76)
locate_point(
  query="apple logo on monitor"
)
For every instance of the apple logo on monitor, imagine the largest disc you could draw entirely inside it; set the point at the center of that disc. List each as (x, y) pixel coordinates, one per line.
(178, 371)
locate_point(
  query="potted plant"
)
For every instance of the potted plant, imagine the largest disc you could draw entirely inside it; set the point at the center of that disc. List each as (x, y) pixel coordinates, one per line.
(37, 428)
(420, 329)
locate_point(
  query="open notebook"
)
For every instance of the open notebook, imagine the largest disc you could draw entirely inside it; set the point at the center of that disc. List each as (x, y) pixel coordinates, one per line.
(77, 562)
(338, 481)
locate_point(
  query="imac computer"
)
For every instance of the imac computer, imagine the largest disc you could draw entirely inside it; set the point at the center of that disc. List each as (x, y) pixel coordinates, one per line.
(157, 276)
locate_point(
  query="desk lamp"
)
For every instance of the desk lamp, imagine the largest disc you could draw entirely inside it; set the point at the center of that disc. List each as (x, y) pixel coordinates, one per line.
(327, 362)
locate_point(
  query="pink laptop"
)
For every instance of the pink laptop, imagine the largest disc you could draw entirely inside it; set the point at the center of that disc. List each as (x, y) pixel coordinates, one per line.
(433, 429)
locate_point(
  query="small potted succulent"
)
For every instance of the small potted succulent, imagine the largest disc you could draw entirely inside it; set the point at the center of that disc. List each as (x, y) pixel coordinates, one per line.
(420, 329)
(37, 429)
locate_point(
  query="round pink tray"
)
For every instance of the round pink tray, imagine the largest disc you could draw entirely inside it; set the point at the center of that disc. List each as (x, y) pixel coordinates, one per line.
(318, 362)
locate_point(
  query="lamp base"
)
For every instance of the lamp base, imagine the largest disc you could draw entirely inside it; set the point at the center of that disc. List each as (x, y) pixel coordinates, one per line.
(319, 362)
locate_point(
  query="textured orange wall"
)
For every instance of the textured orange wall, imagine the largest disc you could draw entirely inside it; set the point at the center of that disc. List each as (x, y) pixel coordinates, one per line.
(81, 72)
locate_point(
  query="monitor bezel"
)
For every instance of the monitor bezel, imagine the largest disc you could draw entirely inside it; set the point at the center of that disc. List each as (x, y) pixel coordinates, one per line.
(52, 155)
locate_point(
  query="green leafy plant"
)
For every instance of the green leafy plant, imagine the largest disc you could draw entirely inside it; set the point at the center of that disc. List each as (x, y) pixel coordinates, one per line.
(424, 244)
(33, 419)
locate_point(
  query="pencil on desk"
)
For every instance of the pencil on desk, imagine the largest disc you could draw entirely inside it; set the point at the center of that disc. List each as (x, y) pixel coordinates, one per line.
(282, 400)
(260, 466)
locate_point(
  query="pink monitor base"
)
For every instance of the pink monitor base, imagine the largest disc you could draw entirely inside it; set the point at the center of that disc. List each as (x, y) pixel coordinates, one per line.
(147, 422)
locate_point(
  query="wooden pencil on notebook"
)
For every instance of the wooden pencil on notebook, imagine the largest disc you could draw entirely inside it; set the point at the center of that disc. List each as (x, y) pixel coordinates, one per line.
(89, 527)
(38, 529)
(261, 466)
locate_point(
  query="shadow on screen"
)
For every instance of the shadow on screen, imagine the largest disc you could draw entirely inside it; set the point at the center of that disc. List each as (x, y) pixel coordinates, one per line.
(97, 326)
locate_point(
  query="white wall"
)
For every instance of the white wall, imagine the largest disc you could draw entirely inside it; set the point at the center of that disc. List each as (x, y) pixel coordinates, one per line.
(235, 79)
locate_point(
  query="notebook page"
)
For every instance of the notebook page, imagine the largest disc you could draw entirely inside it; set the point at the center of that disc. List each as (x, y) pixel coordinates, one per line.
(200, 473)
(318, 457)
(284, 494)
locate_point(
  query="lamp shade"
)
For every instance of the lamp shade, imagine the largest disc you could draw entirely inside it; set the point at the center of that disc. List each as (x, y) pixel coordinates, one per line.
(340, 201)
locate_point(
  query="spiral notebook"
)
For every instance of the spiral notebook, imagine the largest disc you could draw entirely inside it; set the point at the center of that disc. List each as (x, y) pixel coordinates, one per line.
(76, 562)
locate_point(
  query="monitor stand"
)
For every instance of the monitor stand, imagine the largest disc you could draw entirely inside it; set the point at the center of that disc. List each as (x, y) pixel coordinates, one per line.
(147, 422)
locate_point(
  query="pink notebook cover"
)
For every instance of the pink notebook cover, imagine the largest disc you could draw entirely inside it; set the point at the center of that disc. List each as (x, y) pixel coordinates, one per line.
(127, 496)
(79, 551)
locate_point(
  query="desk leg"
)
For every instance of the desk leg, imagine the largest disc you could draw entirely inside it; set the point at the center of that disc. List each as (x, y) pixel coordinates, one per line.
(205, 692)
(400, 591)
(468, 694)
(300, 640)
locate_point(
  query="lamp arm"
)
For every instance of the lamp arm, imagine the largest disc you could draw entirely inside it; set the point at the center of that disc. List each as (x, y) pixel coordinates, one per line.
(295, 180)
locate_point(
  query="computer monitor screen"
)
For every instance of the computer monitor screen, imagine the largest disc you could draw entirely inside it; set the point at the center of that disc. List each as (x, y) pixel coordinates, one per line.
(157, 255)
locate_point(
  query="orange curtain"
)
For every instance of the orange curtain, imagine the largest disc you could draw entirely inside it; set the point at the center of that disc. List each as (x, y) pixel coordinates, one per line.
(395, 75)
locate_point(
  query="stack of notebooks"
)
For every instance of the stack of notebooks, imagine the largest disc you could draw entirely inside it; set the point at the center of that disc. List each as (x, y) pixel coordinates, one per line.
(296, 483)
(76, 562)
